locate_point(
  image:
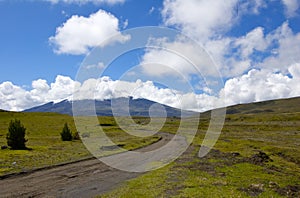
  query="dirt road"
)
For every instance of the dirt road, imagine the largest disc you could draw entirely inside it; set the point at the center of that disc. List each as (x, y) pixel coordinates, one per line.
(81, 179)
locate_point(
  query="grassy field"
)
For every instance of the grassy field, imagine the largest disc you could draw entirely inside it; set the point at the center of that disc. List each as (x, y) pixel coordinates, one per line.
(45, 145)
(256, 155)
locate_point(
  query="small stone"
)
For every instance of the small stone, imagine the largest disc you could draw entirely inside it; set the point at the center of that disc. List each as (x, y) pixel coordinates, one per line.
(273, 184)
(257, 186)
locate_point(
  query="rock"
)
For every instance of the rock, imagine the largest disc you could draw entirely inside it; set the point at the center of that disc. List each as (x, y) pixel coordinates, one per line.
(4, 147)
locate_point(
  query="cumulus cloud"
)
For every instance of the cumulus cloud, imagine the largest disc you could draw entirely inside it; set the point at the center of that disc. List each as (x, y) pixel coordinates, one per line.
(110, 2)
(260, 85)
(291, 7)
(256, 85)
(286, 50)
(79, 34)
(208, 22)
(15, 98)
(180, 57)
(200, 18)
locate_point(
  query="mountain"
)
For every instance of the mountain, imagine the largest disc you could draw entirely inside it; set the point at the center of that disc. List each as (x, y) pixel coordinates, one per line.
(137, 107)
(140, 107)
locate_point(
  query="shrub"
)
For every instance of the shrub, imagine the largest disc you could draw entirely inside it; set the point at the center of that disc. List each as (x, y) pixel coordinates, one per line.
(66, 134)
(16, 135)
(76, 136)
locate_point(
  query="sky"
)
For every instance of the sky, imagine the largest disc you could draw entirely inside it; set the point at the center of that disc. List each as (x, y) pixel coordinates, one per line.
(194, 54)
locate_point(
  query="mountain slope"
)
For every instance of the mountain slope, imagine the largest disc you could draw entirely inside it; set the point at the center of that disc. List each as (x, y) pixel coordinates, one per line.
(137, 107)
(277, 106)
(289, 105)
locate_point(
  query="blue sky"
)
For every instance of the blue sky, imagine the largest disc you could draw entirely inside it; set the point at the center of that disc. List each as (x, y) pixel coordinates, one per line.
(27, 25)
(254, 46)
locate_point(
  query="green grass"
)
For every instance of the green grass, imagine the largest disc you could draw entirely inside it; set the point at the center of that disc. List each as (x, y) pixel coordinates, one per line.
(45, 144)
(221, 173)
(229, 170)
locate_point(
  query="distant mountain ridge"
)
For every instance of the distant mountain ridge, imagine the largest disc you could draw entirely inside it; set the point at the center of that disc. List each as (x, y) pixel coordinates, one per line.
(137, 107)
(140, 107)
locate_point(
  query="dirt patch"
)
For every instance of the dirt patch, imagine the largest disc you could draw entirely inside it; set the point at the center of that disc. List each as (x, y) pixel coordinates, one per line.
(289, 191)
(260, 158)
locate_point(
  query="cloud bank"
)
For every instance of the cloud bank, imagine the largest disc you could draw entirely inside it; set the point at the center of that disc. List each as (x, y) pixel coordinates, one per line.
(256, 85)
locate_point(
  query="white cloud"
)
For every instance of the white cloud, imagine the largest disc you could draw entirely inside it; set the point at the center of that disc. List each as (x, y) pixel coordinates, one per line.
(260, 85)
(208, 21)
(13, 97)
(110, 2)
(251, 6)
(253, 40)
(256, 85)
(125, 24)
(181, 57)
(237, 55)
(98, 66)
(152, 9)
(286, 52)
(291, 7)
(200, 19)
(79, 34)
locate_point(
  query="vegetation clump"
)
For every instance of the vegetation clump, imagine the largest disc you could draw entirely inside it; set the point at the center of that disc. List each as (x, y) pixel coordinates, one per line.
(16, 135)
(76, 136)
(66, 134)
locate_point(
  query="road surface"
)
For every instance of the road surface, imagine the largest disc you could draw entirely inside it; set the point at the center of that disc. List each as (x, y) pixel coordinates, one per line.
(85, 178)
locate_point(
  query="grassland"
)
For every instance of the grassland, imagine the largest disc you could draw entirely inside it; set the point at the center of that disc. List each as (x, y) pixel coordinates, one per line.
(256, 155)
(45, 145)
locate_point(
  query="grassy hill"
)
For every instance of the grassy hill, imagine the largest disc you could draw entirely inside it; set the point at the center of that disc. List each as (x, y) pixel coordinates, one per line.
(290, 105)
(256, 155)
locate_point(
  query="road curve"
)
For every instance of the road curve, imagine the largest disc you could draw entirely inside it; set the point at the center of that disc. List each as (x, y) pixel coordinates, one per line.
(85, 178)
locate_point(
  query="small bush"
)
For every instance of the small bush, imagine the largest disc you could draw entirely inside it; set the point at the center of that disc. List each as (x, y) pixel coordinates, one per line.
(16, 135)
(76, 136)
(66, 134)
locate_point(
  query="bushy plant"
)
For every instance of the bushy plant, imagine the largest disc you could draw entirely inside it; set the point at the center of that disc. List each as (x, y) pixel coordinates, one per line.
(16, 135)
(76, 136)
(66, 134)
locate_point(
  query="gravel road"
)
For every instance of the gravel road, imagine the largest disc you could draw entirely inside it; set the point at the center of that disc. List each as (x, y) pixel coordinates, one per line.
(85, 178)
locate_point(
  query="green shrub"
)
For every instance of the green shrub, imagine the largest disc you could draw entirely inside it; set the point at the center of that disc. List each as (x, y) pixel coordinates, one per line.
(76, 136)
(16, 135)
(66, 134)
